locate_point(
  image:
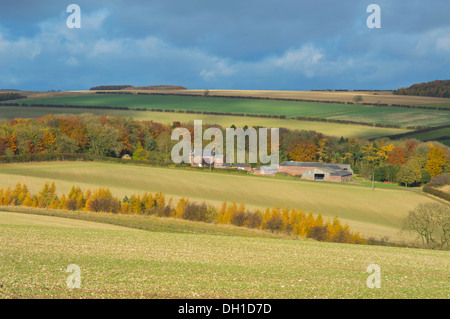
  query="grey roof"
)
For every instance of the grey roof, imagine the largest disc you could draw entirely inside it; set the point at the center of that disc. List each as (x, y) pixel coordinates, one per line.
(315, 164)
(333, 166)
(322, 169)
(328, 170)
(341, 173)
(303, 164)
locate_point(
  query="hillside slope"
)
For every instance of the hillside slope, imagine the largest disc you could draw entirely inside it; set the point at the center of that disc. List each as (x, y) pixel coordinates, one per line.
(140, 264)
(376, 212)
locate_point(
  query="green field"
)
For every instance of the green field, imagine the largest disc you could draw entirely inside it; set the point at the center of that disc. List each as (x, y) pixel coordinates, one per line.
(376, 212)
(196, 103)
(430, 135)
(437, 134)
(371, 114)
(330, 129)
(395, 115)
(129, 263)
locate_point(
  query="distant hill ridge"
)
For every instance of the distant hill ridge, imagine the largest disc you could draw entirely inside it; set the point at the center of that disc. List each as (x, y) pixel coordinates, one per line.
(130, 87)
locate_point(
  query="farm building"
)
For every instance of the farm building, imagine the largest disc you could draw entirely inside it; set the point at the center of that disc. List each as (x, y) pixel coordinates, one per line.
(243, 167)
(327, 174)
(318, 171)
(207, 157)
(266, 170)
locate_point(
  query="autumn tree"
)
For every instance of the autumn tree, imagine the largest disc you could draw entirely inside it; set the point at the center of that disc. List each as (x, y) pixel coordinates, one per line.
(140, 154)
(104, 140)
(47, 195)
(411, 147)
(436, 161)
(304, 151)
(103, 201)
(397, 156)
(75, 129)
(409, 174)
(420, 154)
(275, 221)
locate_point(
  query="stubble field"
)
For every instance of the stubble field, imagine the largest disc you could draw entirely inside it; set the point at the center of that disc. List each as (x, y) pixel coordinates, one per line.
(128, 263)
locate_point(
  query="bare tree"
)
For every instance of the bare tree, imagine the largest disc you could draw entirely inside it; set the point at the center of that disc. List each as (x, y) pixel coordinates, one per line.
(431, 222)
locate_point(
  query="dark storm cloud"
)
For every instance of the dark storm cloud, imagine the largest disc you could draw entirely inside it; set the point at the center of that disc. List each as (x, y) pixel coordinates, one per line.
(259, 44)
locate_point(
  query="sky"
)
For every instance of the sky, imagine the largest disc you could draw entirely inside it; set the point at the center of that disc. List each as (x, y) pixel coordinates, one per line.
(229, 44)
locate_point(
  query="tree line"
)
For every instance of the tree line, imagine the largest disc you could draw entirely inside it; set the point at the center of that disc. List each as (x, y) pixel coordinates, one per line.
(11, 96)
(291, 221)
(409, 161)
(130, 87)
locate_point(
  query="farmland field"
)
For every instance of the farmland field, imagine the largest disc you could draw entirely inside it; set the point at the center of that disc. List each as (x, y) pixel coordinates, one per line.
(442, 135)
(399, 116)
(129, 263)
(432, 134)
(196, 103)
(384, 97)
(330, 129)
(374, 213)
(371, 114)
(379, 97)
(21, 215)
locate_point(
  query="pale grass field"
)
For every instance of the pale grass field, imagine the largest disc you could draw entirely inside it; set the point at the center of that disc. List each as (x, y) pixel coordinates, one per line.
(19, 215)
(383, 97)
(12, 218)
(374, 213)
(142, 264)
(445, 189)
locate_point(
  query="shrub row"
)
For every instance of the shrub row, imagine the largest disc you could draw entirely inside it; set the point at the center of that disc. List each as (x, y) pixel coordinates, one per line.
(11, 96)
(110, 87)
(316, 119)
(441, 108)
(433, 191)
(417, 130)
(440, 180)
